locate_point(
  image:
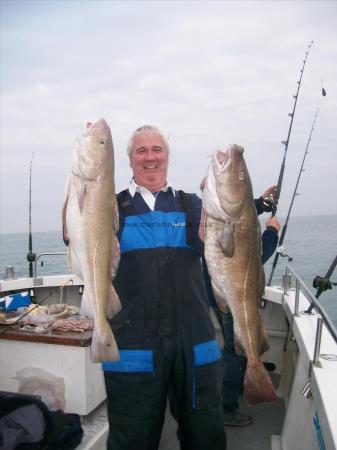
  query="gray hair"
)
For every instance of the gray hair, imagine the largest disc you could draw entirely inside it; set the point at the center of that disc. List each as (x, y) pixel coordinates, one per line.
(141, 130)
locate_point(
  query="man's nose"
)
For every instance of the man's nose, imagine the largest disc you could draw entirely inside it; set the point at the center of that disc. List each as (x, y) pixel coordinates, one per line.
(150, 154)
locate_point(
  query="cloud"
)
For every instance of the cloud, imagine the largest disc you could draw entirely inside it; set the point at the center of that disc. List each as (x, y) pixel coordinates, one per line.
(207, 73)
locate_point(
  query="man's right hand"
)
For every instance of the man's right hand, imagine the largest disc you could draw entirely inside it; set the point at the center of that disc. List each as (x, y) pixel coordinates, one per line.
(272, 191)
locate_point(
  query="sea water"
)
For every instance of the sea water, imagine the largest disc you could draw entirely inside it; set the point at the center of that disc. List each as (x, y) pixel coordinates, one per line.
(311, 242)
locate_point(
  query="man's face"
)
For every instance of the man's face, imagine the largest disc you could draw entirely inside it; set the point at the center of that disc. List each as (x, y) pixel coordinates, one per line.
(149, 161)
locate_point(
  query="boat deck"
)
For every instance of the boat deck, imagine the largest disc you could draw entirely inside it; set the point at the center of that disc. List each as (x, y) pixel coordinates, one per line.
(267, 421)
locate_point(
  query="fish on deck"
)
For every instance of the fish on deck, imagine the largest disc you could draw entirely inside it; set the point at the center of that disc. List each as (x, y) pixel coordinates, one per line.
(233, 254)
(90, 223)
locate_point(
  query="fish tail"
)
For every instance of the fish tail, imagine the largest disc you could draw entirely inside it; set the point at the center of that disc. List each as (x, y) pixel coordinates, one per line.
(86, 309)
(103, 346)
(258, 385)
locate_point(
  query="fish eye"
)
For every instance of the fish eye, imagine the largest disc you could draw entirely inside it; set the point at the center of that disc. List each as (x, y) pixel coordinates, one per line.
(102, 141)
(241, 175)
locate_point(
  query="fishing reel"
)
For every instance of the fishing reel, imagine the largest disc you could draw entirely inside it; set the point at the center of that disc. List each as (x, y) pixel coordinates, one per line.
(31, 257)
(283, 252)
(322, 283)
(269, 204)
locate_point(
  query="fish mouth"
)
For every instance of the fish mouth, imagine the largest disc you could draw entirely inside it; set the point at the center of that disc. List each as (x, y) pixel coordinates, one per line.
(223, 158)
(226, 164)
(91, 126)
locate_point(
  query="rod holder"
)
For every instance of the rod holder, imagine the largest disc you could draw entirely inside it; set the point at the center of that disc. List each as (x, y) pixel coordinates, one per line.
(286, 282)
(318, 340)
(9, 273)
(297, 297)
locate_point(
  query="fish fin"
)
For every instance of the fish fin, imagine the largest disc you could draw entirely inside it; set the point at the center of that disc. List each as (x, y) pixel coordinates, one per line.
(113, 304)
(202, 225)
(103, 346)
(258, 385)
(81, 191)
(73, 264)
(220, 300)
(263, 339)
(85, 305)
(80, 196)
(262, 283)
(115, 256)
(115, 222)
(69, 259)
(64, 211)
(226, 240)
(239, 348)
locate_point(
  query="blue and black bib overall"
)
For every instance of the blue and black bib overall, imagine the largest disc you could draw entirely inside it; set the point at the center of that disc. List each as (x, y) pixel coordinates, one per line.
(164, 333)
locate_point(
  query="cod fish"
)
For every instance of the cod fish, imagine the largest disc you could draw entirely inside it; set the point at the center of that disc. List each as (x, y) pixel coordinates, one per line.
(233, 255)
(90, 223)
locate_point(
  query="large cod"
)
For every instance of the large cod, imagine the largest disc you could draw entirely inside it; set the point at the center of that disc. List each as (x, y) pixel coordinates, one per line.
(233, 255)
(90, 223)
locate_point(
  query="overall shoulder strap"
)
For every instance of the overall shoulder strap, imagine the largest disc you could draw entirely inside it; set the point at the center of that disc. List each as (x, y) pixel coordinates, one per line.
(187, 206)
(125, 203)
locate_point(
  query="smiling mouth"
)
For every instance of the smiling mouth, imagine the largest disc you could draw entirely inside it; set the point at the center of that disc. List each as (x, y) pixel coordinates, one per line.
(150, 167)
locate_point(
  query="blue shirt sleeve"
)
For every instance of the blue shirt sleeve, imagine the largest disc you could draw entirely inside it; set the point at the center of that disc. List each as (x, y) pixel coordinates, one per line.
(269, 243)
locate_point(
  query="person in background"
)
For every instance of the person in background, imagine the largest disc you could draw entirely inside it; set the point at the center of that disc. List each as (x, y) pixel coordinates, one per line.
(234, 365)
(164, 332)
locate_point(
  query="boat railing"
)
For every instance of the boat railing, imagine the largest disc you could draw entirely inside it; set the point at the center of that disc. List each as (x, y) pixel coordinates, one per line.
(46, 254)
(322, 317)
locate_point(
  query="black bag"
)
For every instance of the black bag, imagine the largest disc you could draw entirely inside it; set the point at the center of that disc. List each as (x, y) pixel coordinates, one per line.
(61, 431)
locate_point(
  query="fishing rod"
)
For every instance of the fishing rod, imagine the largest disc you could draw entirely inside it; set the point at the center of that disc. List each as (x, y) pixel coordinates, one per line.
(322, 284)
(30, 255)
(285, 226)
(274, 201)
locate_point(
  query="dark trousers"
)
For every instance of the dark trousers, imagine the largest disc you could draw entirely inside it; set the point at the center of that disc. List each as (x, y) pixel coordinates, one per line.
(234, 366)
(137, 402)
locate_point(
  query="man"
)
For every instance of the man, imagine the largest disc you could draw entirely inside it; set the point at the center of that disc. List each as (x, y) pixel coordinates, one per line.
(234, 365)
(164, 332)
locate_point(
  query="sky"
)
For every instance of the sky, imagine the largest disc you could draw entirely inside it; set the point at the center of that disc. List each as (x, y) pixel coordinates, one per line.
(207, 73)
